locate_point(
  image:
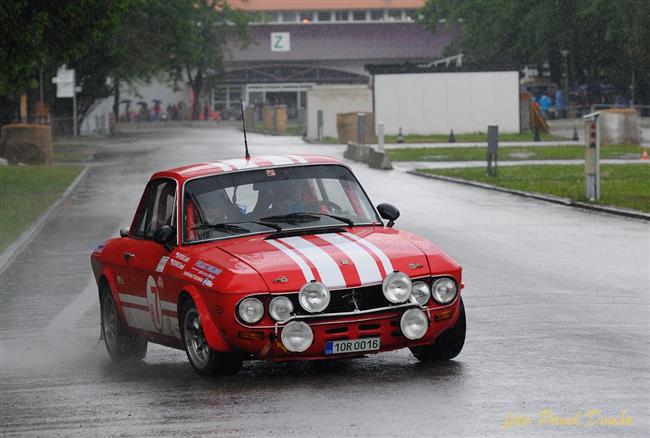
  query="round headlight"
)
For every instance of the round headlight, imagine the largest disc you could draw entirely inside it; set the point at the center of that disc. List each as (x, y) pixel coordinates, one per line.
(280, 308)
(297, 336)
(420, 293)
(251, 310)
(314, 297)
(414, 324)
(443, 290)
(397, 287)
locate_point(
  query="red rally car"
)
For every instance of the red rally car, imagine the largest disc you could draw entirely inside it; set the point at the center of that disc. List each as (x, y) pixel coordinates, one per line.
(279, 257)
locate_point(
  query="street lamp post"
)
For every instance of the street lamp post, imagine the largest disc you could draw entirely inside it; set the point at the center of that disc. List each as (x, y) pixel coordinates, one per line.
(565, 54)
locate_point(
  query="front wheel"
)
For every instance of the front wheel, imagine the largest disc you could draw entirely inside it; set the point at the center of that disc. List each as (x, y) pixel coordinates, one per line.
(121, 345)
(447, 345)
(204, 360)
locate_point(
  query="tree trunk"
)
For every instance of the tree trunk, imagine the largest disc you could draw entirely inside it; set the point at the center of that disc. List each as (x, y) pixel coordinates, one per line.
(197, 89)
(116, 99)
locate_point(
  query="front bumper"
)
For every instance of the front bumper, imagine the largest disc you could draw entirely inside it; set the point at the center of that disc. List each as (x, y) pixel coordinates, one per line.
(382, 322)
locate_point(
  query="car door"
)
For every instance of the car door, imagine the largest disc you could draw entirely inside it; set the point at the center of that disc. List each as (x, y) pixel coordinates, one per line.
(154, 303)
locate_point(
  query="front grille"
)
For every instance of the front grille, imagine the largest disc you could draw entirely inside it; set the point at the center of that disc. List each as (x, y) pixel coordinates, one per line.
(366, 298)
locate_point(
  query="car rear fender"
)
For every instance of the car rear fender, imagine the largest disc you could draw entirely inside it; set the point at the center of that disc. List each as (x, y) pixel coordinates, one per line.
(107, 274)
(211, 329)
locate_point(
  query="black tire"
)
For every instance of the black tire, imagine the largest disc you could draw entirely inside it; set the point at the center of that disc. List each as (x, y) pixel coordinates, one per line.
(448, 344)
(122, 346)
(204, 360)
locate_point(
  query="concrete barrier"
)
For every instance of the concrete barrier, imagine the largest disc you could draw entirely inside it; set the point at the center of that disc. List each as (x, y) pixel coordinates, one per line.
(379, 160)
(367, 154)
(356, 152)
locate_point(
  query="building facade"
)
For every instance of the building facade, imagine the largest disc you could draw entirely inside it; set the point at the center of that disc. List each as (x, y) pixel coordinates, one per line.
(298, 44)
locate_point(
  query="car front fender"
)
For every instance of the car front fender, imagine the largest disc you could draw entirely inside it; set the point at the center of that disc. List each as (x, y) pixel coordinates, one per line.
(211, 329)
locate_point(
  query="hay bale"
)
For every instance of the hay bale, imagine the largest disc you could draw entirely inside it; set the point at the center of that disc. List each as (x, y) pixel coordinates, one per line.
(29, 144)
(347, 127)
(280, 119)
(619, 126)
(268, 116)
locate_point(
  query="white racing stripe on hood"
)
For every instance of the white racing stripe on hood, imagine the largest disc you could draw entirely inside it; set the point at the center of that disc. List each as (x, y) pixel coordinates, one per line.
(327, 268)
(385, 261)
(363, 261)
(306, 270)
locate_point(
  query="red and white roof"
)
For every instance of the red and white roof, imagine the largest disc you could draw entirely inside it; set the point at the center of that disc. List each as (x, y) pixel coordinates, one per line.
(237, 164)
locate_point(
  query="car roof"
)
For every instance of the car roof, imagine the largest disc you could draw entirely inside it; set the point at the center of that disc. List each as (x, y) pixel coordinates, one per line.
(239, 164)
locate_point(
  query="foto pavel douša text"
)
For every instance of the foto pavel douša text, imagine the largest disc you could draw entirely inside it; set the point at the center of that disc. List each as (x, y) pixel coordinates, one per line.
(548, 418)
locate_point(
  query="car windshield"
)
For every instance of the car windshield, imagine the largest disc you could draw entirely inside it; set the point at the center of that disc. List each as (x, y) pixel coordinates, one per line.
(269, 200)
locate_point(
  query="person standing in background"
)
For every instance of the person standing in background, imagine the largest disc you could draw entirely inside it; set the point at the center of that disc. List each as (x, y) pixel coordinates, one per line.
(560, 104)
(156, 110)
(545, 105)
(206, 111)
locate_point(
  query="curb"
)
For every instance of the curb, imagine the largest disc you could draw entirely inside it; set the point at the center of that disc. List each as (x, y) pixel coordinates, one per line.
(633, 214)
(18, 245)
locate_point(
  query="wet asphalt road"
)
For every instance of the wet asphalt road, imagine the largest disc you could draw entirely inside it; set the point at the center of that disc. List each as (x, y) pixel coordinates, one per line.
(557, 304)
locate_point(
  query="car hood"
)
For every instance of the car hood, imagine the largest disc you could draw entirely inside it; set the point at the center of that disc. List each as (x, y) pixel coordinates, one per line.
(358, 257)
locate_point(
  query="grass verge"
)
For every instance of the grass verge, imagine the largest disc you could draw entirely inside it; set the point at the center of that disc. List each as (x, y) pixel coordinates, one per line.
(73, 152)
(26, 192)
(475, 137)
(511, 153)
(622, 185)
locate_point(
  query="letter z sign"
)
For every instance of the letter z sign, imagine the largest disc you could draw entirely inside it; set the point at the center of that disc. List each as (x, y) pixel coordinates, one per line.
(280, 42)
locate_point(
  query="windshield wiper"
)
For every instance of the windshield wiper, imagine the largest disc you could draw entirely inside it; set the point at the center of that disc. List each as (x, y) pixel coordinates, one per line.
(232, 226)
(224, 226)
(306, 217)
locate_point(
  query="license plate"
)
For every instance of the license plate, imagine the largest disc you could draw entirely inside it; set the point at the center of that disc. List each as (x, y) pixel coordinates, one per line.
(351, 345)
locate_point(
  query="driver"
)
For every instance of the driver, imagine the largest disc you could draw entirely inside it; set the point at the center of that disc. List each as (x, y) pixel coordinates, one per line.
(281, 197)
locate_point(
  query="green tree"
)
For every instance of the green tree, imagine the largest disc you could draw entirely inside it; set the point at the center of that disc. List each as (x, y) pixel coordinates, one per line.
(43, 35)
(606, 40)
(196, 39)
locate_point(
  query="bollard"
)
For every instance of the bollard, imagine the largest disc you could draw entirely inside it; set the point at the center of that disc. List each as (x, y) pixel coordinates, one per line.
(380, 136)
(592, 156)
(319, 125)
(493, 147)
(361, 128)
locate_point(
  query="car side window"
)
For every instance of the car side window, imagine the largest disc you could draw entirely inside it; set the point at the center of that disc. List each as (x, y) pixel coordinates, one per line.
(161, 210)
(140, 220)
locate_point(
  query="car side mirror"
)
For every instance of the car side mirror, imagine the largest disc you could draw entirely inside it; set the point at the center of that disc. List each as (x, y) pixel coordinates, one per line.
(388, 212)
(124, 232)
(165, 235)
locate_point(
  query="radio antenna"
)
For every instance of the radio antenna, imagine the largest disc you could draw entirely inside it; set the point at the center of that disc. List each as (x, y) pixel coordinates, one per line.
(243, 122)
